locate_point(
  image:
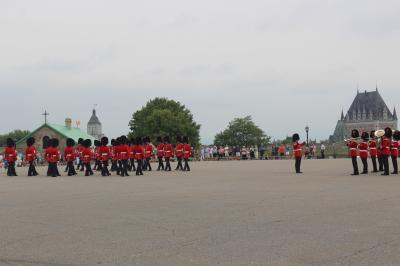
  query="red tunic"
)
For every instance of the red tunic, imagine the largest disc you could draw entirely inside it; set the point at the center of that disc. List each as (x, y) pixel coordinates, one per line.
(30, 154)
(80, 150)
(139, 152)
(160, 150)
(187, 151)
(53, 155)
(385, 146)
(132, 151)
(298, 149)
(114, 155)
(69, 154)
(87, 155)
(395, 148)
(124, 152)
(352, 148)
(104, 153)
(179, 150)
(168, 150)
(148, 151)
(10, 154)
(372, 148)
(363, 147)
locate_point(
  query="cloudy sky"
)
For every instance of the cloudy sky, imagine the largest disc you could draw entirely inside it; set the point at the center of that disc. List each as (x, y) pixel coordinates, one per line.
(287, 63)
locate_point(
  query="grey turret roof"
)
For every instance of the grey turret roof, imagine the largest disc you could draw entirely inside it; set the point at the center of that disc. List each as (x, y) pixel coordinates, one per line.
(94, 120)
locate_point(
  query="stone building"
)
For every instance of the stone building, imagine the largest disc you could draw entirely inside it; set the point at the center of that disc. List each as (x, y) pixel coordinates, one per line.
(48, 131)
(367, 112)
(94, 126)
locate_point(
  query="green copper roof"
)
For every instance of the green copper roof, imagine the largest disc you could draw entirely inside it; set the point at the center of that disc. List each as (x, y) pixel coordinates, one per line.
(73, 133)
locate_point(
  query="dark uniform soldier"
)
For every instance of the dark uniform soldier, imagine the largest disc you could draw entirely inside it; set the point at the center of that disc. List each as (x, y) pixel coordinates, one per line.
(10, 155)
(179, 153)
(70, 156)
(139, 155)
(385, 149)
(373, 151)
(298, 152)
(187, 152)
(160, 153)
(352, 144)
(363, 148)
(395, 151)
(168, 153)
(105, 155)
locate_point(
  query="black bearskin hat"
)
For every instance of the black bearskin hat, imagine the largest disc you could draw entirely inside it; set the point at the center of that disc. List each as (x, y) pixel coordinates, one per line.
(70, 143)
(185, 139)
(178, 139)
(97, 143)
(30, 141)
(372, 135)
(388, 132)
(159, 139)
(113, 142)
(123, 140)
(139, 141)
(80, 141)
(396, 135)
(295, 137)
(104, 141)
(166, 139)
(355, 133)
(147, 139)
(365, 136)
(54, 143)
(10, 143)
(87, 143)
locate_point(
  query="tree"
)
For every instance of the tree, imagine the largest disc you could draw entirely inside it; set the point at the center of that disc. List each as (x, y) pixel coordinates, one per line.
(15, 135)
(242, 132)
(165, 117)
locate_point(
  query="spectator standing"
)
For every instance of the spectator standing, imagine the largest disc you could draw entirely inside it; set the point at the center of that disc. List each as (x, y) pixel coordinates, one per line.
(323, 151)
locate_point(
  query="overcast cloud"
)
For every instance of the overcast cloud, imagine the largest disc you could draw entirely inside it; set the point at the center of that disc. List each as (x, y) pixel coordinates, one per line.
(287, 63)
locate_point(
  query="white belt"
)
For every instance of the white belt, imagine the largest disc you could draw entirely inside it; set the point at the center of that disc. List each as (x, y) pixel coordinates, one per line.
(138, 153)
(372, 148)
(353, 149)
(298, 150)
(363, 150)
(123, 152)
(394, 148)
(104, 154)
(86, 156)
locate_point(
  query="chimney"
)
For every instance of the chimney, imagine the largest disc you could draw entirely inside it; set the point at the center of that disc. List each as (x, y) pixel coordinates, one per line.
(68, 123)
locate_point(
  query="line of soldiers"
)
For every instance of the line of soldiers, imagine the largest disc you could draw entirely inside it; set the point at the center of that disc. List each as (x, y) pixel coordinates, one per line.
(122, 153)
(380, 148)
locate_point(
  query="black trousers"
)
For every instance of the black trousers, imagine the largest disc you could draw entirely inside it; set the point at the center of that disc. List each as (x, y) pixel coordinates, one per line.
(71, 168)
(160, 164)
(104, 169)
(380, 162)
(187, 167)
(167, 164)
(179, 166)
(114, 166)
(119, 168)
(147, 164)
(11, 169)
(355, 165)
(132, 166)
(365, 165)
(297, 165)
(374, 166)
(139, 170)
(32, 169)
(124, 170)
(395, 167)
(53, 170)
(88, 171)
(385, 161)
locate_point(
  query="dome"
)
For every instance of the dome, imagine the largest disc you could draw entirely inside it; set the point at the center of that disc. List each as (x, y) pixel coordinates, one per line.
(94, 120)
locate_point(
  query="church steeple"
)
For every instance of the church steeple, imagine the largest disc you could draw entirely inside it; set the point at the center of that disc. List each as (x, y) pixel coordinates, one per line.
(342, 115)
(394, 114)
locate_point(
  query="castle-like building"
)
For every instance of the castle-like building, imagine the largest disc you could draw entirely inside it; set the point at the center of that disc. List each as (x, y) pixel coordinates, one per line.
(94, 126)
(367, 112)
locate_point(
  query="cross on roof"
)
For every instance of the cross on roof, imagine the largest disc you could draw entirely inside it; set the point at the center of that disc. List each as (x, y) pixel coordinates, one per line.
(45, 116)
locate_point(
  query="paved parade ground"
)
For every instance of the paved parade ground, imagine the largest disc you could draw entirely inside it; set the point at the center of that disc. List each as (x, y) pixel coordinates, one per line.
(221, 213)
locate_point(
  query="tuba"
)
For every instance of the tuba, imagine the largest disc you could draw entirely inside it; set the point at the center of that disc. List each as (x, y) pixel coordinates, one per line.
(379, 133)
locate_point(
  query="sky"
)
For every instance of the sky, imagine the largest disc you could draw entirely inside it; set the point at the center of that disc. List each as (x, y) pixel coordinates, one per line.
(287, 63)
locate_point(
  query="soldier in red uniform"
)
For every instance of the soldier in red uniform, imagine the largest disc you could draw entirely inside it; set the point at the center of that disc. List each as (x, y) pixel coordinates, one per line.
(87, 157)
(114, 156)
(132, 148)
(373, 151)
(124, 155)
(168, 153)
(30, 155)
(53, 157)
(395, 151)
(118, 155)
(187, 152)
(363, 148)
(80, 156)
(97, 165)
(352, 144)
(139, 155)
(70, 156)
(104, 155)
(298, 152)
(179, 153)
(10, 155)
(160, 154)
(385, 149)
(148, 152)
